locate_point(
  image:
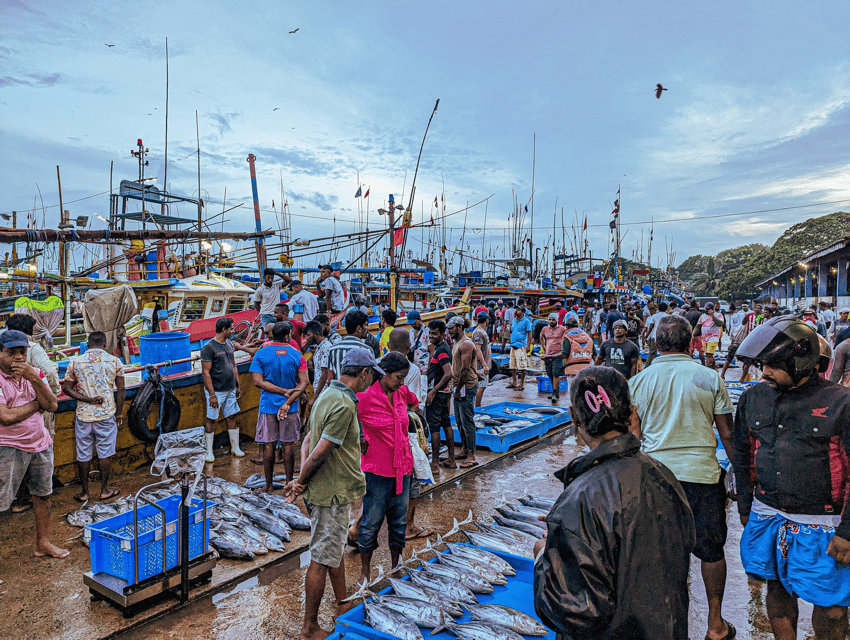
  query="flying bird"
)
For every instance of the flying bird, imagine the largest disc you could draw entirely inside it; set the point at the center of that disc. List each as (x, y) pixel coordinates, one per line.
(276, 108)
(109, 45)
(659, 89)
(295, 30)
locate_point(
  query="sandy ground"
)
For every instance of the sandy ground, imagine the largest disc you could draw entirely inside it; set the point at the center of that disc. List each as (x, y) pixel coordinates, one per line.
(46, 598)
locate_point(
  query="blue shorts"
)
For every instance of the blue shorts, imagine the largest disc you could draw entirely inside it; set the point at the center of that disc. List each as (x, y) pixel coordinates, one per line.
(774, 548)
(226, 403)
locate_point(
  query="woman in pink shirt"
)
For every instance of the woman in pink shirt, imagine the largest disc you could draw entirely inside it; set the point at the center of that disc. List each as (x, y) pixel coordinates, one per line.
(387, 463)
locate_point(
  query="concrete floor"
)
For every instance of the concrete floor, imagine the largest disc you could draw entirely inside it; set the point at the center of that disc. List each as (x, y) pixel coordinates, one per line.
(46, 598)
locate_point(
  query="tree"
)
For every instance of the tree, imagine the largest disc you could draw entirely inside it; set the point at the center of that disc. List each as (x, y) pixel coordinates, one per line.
(692, 266)
(707, 282)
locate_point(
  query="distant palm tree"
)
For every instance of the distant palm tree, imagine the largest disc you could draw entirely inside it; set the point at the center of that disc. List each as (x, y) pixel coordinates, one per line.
(707, 282)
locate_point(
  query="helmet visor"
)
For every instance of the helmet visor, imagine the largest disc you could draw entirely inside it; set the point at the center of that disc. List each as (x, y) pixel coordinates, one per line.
(765, 344)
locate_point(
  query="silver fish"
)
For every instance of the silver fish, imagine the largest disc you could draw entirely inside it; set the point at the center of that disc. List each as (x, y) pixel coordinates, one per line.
(538, 502)
(480, 555)
(390, 622)
(81, 517)
(522, 516)
(230, 547)
(407, 589)
(508, 533)
(294, 518)
(475, 582)
(477, 630)
(421, 613)
(519, 525)
(472, 566)
(453, 590)
(491, 541)
(506, 617)
(250, 543)
(267, 522)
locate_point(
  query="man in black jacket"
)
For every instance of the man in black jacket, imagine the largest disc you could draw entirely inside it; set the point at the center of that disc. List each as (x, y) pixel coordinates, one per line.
(616, 557)
(792, 442)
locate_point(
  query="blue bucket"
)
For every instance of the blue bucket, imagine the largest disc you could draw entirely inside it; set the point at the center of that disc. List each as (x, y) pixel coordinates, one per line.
(161, 347)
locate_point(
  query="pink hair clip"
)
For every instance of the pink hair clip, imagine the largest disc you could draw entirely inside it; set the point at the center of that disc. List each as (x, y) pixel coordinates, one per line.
(595, 402)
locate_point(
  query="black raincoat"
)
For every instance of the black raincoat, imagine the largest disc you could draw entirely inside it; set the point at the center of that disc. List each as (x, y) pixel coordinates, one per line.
(617, 555)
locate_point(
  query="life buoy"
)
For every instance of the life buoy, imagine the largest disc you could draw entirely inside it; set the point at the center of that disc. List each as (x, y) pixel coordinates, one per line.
(153, 392)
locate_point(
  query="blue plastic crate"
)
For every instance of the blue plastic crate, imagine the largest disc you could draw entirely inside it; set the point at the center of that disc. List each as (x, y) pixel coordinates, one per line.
(544, 385)
(111, 541)
(517, 594)
(549, 422)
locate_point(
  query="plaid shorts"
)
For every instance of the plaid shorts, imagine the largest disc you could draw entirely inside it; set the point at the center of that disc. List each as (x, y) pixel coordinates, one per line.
(270, 429)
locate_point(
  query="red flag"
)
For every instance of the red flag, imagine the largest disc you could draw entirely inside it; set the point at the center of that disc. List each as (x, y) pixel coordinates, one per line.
(435, 201)
(398, 237)
(366, 195)
(585, 224)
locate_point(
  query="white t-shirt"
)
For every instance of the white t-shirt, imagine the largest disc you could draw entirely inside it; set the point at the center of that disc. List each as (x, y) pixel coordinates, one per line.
(268, 297)
(653, 321)
(735, 321)
(413, 380)
(310, 301)
(337, 296)
(829, 316)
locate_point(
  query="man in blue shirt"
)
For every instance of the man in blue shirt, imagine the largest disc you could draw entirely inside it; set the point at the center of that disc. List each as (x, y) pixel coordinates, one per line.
(280, 372)
(520, 337)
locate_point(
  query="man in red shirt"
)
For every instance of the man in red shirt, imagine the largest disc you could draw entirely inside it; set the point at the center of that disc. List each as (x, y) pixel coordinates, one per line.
(551, 339)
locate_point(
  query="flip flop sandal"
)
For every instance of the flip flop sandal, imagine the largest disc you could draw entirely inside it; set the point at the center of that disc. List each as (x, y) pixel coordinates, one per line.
(424, 533)
(731, 634)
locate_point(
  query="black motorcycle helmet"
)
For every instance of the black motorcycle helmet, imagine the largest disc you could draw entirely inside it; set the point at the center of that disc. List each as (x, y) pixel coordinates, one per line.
(785, 343)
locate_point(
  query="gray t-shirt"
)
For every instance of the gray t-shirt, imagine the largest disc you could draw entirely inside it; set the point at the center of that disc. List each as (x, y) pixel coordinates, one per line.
(223, 363)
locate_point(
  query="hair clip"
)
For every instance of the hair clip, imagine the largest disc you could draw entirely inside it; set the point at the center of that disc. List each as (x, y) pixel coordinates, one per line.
(595, 402)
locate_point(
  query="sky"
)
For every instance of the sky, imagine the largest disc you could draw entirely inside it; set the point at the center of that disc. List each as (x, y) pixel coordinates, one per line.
(755, 121)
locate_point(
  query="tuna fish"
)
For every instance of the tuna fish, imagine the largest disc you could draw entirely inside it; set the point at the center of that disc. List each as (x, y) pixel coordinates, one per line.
(503, 616)
(477, 630)
(230, 546)
(538, 502)
(521, 515)
(480, 555)
(476, 583)
(387, 621)
(267, 522)
(486, 571)
(491, 541)
(453, 590)
(525, 527)
(407, 589)
(421, 613)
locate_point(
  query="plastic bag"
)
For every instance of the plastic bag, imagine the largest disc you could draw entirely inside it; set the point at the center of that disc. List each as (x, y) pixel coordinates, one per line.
(421, 465)
(179, 453)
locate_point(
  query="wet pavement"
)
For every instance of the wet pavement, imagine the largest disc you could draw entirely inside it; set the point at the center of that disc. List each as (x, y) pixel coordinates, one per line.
(46, 598)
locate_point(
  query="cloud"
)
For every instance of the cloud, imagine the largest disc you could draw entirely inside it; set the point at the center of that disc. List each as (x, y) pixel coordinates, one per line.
(222, 121)
(321, 201)
(32, 80)
(300, 161)
(154, 50)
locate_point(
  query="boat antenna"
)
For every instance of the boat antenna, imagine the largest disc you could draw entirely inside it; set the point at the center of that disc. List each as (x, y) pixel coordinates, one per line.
(165, 176)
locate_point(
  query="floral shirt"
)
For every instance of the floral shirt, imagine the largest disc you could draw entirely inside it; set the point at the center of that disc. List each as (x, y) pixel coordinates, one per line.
(94, 375)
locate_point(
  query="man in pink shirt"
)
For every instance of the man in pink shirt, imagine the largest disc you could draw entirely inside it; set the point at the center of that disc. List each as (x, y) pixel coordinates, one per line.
(25, 444)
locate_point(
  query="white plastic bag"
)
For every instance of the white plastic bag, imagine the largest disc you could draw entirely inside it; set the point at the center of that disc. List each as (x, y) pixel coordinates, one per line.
(421, 465)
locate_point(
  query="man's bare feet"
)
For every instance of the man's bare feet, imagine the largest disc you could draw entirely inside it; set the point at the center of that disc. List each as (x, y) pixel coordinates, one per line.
(314, 633)
(45, 548)
(266, 489)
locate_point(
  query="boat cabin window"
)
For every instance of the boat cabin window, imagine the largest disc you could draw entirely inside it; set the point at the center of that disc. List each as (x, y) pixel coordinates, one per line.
(235, 305)
(193, 309)
(218, 305)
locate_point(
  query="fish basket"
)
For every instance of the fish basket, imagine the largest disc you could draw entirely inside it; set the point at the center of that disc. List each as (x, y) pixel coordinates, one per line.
(517, 594)
(544, 385)
(112, 543)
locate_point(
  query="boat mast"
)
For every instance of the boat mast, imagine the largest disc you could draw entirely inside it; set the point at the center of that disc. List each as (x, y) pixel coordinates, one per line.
(63, 262)
(261, 249)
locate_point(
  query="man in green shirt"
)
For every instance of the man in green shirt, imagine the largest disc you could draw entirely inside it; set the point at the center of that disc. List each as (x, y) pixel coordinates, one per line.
(331, 480)
(679, 402)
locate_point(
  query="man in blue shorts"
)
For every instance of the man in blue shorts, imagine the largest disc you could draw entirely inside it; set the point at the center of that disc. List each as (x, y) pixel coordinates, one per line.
(792, 440)
(280, 372)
